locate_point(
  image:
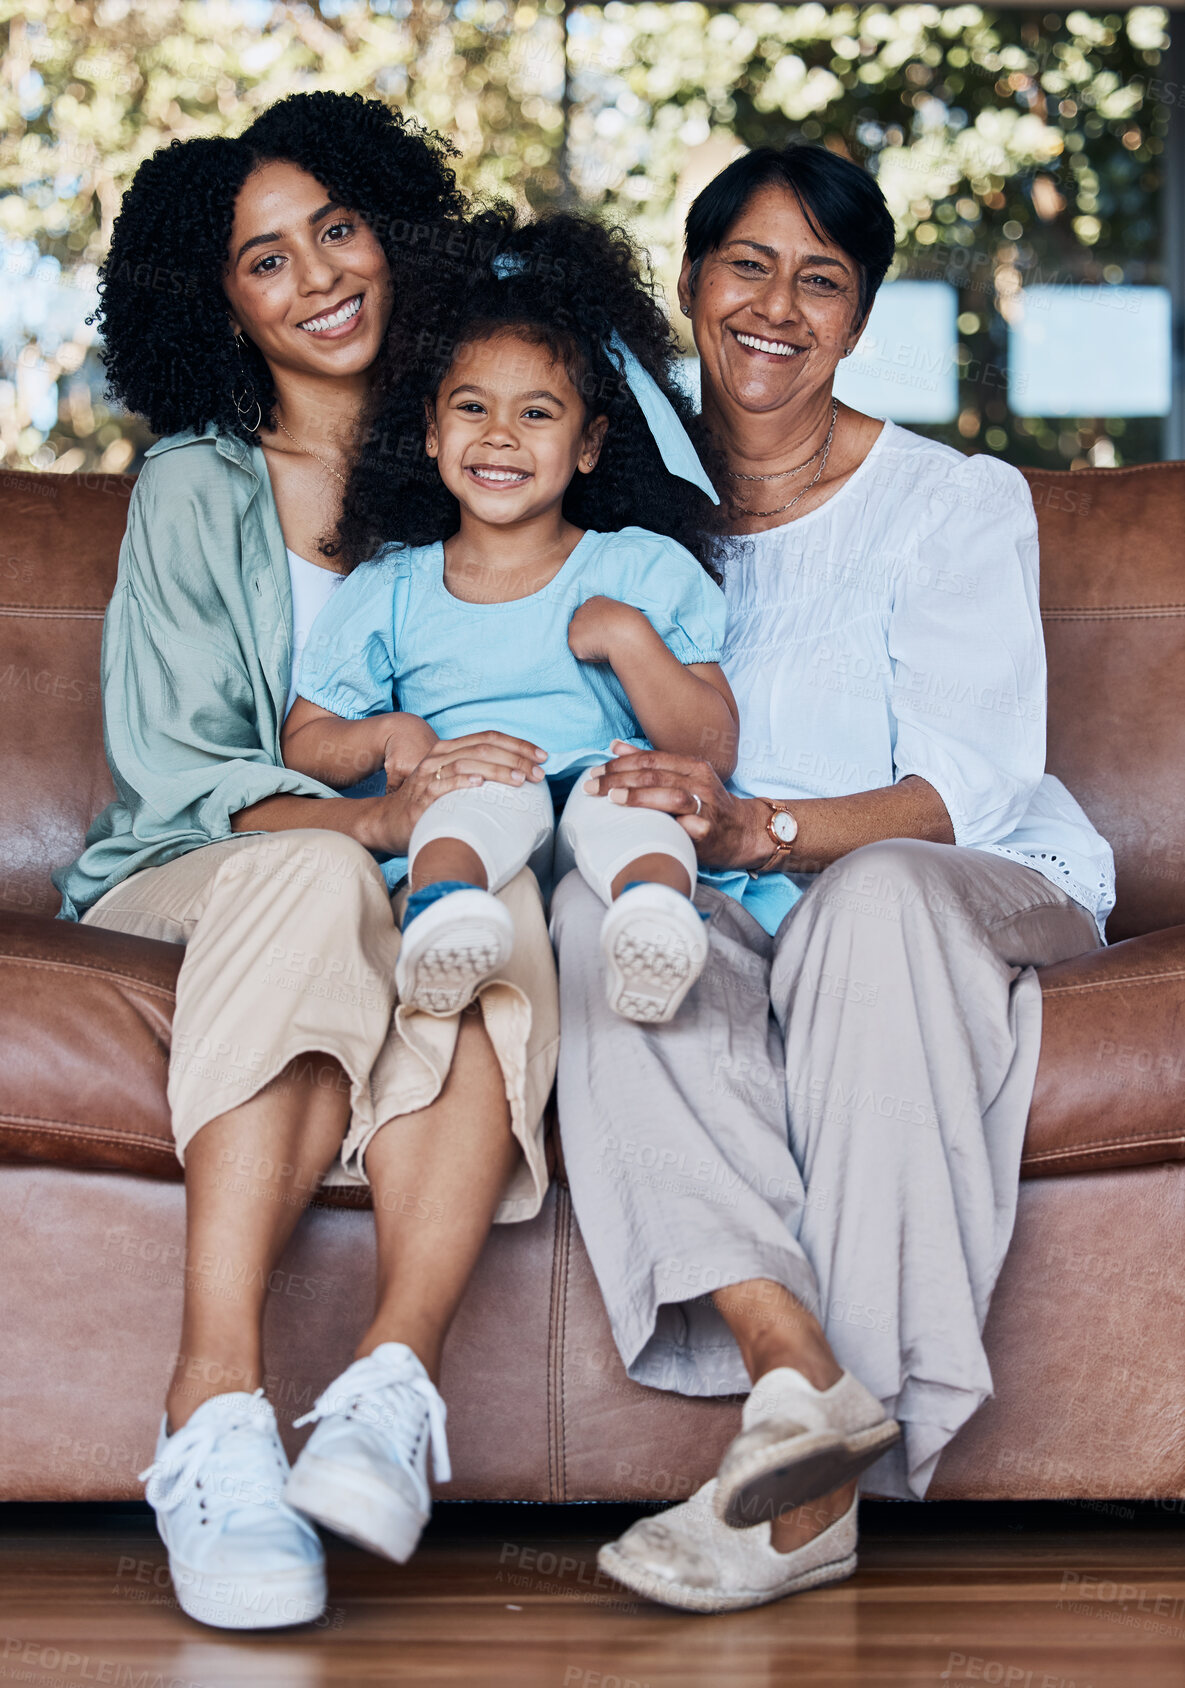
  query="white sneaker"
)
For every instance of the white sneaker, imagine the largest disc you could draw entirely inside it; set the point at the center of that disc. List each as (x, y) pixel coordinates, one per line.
(239, 1557)
(655, 946)
(686, 1557)
(797, 1443)
(452, 948)
(363, 1473)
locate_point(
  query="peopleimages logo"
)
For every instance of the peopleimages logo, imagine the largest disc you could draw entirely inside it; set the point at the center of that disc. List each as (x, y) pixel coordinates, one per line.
(974, 1667)
(82, 1667)
(66, 688)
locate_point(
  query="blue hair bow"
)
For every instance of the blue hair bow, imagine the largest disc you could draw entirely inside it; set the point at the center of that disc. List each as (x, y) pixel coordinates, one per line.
(678, 454)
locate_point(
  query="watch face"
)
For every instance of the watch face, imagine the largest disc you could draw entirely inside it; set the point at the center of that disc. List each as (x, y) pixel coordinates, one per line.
(783, 826)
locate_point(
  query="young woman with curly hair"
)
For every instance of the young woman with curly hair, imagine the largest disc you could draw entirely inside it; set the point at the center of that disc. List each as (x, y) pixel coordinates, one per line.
(535, 583)
(247, 293)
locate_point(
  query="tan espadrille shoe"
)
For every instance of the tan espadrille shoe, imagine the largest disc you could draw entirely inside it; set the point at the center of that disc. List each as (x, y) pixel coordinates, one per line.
(797, 1443)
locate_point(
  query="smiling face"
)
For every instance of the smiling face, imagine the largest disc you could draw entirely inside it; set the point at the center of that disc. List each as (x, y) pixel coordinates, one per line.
(306, 279)
(774, 308)
(509, 430)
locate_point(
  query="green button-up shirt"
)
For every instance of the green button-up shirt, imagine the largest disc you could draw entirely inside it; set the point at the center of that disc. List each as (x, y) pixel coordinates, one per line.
(197, 653)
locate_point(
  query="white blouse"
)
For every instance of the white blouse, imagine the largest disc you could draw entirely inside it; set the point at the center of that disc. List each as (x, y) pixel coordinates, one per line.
(895, 631)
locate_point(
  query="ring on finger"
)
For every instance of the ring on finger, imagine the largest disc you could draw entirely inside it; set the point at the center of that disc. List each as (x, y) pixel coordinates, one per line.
(696, 800)
(438, 773)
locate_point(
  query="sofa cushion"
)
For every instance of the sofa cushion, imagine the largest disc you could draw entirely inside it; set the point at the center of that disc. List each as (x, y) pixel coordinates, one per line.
(95, 1264)
(85, 1027)
(1083, 1338)
(1110, 1086)
(86, 1021)
(86, 1016)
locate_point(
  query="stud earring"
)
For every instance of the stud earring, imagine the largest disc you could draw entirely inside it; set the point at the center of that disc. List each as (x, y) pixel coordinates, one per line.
(686, 309)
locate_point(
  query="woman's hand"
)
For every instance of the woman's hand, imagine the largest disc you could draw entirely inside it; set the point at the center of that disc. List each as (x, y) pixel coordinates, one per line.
(448, 765)
(728, 831)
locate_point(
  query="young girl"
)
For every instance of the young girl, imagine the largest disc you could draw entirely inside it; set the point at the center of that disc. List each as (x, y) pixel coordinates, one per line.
(549, 580)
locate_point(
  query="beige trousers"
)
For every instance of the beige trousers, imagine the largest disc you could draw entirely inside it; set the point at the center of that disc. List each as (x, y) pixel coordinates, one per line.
(839, 1108)
(291, 944)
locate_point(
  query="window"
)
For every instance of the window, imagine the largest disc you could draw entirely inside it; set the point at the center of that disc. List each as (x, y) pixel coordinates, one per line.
(906, 365)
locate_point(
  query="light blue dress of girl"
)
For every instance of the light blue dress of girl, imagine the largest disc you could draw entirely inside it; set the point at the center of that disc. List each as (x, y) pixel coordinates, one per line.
(394, 636)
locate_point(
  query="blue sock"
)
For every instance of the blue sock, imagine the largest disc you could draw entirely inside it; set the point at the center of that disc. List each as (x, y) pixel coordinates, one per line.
(636, 882)
(419, 900)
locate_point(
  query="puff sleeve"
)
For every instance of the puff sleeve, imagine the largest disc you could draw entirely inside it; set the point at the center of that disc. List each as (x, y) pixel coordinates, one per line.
(348, 666)
(683, 604)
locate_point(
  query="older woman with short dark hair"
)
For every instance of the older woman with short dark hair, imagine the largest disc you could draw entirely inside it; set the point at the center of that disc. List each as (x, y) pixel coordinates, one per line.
(807, 1182)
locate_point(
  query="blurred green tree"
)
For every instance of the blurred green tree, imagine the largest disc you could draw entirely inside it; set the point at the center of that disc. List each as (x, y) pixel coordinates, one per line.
(1012, 147)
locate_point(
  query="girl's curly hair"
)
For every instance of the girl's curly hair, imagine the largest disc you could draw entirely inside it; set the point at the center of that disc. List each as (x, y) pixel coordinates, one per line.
(170, 353)
(575, 281)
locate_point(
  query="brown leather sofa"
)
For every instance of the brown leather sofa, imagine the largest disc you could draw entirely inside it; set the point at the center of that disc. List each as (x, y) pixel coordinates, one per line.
(1087, 1330)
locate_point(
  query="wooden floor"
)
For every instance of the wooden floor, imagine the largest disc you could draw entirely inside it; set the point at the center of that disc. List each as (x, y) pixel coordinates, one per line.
(1020, 1597)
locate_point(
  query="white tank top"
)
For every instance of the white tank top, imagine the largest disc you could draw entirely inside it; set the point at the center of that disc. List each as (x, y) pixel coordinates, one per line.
(312, 588)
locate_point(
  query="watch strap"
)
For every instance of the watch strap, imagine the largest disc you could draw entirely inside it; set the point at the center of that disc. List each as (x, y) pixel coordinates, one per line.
(781, 850)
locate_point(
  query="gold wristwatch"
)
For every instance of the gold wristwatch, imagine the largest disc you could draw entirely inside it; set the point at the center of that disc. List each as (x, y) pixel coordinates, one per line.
(782, 829)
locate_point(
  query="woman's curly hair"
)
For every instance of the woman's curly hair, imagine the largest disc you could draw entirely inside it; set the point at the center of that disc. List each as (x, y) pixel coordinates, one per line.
(170, 352)
(574, 282)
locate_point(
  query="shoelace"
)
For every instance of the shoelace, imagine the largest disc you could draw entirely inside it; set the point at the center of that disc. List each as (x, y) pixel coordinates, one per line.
(395, 1396)
(186, 1456)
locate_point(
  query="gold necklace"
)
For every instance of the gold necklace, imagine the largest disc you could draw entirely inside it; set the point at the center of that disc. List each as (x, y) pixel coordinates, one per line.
(825, 448)
(336, 473)
(778, 474)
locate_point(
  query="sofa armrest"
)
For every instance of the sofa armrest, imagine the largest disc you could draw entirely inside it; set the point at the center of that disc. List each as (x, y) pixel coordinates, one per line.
(1110, 1086)
(85, 1027)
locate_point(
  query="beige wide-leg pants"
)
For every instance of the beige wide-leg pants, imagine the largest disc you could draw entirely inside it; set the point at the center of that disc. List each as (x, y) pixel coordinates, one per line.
(291, 944)
(839, 1108)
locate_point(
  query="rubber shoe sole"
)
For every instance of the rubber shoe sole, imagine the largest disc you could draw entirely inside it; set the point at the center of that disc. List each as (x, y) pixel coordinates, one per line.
(267, 1600)
(778, 1477)
(451, 949)
(341, 1499)
(689, 1599)
(655, 947)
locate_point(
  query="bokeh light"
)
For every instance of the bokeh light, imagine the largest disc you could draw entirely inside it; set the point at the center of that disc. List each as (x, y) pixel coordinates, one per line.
(1012, 149)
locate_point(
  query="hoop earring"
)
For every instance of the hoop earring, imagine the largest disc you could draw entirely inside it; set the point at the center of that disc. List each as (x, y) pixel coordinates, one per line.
(244, 401)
